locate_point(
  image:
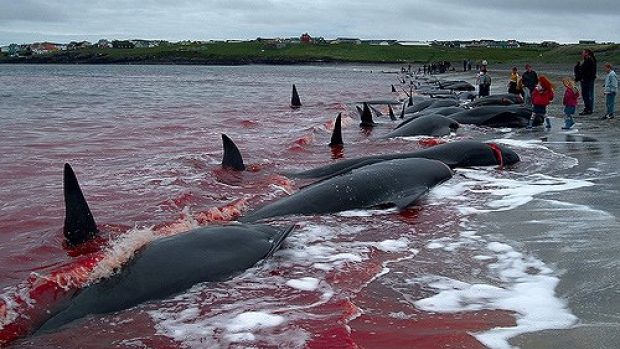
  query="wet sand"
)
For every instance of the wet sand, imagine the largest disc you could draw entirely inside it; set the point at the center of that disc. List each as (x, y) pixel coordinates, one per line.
(577, 232)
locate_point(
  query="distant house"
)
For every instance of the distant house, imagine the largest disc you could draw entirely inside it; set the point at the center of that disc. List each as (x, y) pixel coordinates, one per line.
(234, 41)
(379, 42)
(413, 43)
(124, 44)
(40, 48)
(74, 45)
(141, 43)
(103, 43)
(353, 41)
(305, 38)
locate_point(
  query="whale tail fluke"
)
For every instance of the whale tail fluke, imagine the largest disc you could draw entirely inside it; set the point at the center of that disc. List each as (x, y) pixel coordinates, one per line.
(367, 117)
(232, 156)
(391, 113)
(295, 101)
(336, 140)
(79, 224)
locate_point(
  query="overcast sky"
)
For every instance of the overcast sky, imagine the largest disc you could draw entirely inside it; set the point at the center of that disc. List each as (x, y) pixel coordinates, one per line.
(25, 21)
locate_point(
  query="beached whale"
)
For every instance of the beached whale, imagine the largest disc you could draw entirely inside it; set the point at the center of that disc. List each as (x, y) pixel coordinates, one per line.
(397, 183)
(499, 99)
(445, 111)
(169, 265)
(428, 125)
(454, 154)
(497, 116)
(431, 103)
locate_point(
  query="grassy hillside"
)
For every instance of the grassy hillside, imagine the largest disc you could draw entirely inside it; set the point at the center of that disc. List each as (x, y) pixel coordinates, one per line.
(257, 52)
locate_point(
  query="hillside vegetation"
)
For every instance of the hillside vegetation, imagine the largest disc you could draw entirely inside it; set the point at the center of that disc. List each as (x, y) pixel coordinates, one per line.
(259, 52)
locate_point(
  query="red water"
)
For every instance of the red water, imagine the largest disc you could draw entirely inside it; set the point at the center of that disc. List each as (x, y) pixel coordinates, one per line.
(145, 144)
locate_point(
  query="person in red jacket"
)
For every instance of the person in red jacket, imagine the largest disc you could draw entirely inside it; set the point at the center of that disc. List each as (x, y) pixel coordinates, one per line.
(541, 98)
(571, 94)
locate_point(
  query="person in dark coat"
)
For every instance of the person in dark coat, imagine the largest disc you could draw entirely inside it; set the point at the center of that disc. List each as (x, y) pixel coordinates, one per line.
(529, 79)
(587, 77)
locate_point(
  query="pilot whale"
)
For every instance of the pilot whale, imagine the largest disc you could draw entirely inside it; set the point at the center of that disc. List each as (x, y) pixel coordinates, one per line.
(453, 154)
(167, 266)
(428, 125)
(399, 183)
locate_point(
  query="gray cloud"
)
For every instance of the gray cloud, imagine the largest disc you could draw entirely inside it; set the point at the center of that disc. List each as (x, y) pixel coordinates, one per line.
(527, 20)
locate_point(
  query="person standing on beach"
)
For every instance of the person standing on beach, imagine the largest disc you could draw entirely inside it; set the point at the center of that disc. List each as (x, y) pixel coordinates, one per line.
(484, 81)
(611, 88)
(588, 75)
(541, 98)
(513, 84)
(571, 95)
(529, 81)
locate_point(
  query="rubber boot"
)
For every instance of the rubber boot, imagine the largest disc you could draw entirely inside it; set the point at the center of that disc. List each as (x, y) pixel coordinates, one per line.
(547, 122)
(530, 123)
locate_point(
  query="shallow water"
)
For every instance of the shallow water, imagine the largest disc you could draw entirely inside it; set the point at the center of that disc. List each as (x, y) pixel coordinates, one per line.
(488, 256)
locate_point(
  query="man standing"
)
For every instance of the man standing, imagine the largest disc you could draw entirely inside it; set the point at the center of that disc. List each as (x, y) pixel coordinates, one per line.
(611, 87)
(529, 79)
(588, 75)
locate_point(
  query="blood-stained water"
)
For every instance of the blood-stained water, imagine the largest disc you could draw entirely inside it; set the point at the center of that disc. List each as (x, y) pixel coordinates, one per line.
(145, 143)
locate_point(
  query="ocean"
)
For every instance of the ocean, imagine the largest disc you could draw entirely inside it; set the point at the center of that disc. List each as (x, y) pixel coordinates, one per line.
(523, 257)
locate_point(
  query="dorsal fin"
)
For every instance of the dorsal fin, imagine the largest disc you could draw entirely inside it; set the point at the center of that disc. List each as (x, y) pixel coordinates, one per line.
(295, 102)
(359, 110)
(79, 225)
(336, 140)
(232, 157)
(367, 117)
(402, 112)
(393, 88)
(391, 113)
(410, 103)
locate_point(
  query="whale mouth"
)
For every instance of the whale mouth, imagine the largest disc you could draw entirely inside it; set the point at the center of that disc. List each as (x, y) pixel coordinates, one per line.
(497, 152)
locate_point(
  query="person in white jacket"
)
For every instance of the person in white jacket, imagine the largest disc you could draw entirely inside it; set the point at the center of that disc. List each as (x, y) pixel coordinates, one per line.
(611, 88)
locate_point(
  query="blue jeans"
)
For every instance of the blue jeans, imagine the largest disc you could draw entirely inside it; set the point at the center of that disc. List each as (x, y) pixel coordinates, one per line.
(610, 102)
(587, 93)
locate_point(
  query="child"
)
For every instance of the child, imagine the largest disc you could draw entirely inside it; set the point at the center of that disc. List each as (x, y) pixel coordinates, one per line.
(513, 84)
(571, 94)
(611, 87)
(541, 98)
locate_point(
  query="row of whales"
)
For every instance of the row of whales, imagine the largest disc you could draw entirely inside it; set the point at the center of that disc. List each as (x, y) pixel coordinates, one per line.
(219, 252)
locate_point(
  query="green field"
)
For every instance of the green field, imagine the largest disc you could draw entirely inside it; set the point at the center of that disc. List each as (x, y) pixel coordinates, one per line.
(260, 52)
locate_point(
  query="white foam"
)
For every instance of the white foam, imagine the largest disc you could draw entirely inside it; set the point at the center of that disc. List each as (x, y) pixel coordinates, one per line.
(304, 284)
(399, 245)
(252, 321)
(525, 286)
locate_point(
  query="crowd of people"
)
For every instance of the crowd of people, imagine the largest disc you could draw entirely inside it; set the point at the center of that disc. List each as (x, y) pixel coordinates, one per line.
(538, 91)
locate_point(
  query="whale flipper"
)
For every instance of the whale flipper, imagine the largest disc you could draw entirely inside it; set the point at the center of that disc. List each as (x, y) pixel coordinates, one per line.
(79, 224)
(295, 102)
(278, 240)
(367, 117)
(406, 199)
(232, 157)
(336, 140)
(376, 111)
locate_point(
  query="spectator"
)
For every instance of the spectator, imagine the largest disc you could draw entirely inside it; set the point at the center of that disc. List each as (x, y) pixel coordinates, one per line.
(587, 75)
(529, 81)
(541, 98)
(484, 82)
(513, 84)
(611, 88)
(571, 94)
